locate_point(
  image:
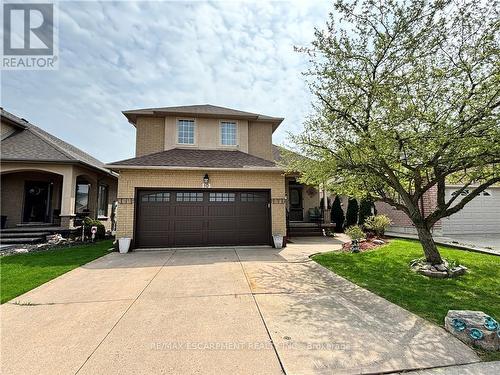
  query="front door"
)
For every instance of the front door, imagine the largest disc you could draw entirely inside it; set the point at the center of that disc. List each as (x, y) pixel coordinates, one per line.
(296, 209)
(36, 201)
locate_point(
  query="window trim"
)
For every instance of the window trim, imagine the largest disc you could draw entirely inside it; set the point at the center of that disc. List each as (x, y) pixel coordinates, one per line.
(195, 132)
(99, 200)
(236, 135)
(87, 208)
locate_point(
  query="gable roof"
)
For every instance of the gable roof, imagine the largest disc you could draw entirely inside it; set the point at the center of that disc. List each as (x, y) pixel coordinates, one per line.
(33, 144)
(201, 110)
(179, 158)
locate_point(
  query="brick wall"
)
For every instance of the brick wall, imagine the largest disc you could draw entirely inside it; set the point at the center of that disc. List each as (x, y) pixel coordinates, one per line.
(150, 135)
(400, 221)
(131, 179)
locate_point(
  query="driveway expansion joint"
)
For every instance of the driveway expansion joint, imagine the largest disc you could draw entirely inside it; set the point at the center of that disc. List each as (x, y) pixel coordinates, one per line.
(124, 313)
(261, 316)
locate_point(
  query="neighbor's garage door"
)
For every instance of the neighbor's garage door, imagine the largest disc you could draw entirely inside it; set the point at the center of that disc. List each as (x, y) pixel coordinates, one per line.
(173, 218)
(481, 215)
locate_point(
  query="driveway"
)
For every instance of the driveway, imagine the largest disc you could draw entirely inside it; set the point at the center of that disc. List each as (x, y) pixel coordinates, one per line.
(215, 311)
(487, 241)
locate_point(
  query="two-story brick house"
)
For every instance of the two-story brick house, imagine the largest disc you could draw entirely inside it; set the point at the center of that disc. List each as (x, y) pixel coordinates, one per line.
(202, 176)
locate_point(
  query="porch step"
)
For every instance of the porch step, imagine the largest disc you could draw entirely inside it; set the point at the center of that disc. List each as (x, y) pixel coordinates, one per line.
(305, 231)
(29, 234)
(32, 229)
(29, 240)
(29, 225)
(24, 234)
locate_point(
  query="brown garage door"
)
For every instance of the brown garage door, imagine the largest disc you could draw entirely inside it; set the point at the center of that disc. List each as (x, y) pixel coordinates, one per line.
(173, 218)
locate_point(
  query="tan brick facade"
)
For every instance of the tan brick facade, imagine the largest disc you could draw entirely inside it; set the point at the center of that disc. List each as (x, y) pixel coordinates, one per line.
(155, 134)
(131, 179)
(150, 136)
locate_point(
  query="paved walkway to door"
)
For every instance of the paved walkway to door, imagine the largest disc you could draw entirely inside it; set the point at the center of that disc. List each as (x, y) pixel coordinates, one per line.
(216, 311)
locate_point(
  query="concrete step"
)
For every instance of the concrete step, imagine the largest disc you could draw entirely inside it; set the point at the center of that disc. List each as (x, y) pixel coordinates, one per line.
(29, 240)
(305, 234)
(28, 225)
(305, 229)
(32, 229)
(23, 234)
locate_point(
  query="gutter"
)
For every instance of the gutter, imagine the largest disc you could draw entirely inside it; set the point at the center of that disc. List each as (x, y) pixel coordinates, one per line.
(48, 161)
(179, 168)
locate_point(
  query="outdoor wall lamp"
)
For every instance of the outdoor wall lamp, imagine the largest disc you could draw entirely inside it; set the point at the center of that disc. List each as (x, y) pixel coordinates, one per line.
(206, 179)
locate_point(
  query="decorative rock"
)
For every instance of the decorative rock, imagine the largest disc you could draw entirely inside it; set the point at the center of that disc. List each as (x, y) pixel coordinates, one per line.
(433, 273)
(21, 251)
(473, 328)
(378, 242)
(439, 271)
(440, 267)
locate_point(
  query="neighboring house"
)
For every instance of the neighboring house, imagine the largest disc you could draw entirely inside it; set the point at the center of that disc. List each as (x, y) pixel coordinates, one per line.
(203, 176)
(479, 216)
(47, 182)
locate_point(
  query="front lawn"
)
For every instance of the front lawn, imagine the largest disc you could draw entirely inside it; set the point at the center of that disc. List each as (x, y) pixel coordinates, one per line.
(385, 272)
(20, 273)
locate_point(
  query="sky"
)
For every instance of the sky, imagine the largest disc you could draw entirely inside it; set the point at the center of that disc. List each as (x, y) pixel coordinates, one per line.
(115, 56)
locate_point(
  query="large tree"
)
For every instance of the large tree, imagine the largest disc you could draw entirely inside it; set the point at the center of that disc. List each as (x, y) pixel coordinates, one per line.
(407, 100)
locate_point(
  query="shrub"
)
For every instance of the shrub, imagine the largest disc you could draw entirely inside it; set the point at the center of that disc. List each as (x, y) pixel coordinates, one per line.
(377, 224)
(355, 232)
(337, 215)
(89, 223)
(351, 216)
(366, 209)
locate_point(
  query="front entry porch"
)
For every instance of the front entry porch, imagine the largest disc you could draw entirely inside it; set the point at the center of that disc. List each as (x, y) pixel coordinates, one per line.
(306, 214)
(39, 198)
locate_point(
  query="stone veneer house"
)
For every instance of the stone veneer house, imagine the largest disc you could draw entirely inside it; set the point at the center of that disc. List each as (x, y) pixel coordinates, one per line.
(205, 176)
(47, 182)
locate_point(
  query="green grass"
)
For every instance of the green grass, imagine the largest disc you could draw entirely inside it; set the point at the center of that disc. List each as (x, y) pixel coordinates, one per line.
(385, 272)
(22, 272)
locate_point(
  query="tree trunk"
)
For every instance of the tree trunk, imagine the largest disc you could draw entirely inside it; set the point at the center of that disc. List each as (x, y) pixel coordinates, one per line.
(430, 249)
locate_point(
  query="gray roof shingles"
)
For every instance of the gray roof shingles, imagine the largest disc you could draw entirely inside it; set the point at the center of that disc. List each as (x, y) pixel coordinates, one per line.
(35, 144)
(200, 110)
(197, 159)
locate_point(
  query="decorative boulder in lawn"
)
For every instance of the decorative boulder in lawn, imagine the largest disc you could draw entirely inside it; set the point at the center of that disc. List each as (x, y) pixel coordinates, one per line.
(474, 328)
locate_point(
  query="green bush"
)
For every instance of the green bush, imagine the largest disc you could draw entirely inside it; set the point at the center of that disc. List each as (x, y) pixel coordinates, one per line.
(377, 224)
(355, 232)
(337, 215)
(351, 216)
(89, 223)
(366, 209)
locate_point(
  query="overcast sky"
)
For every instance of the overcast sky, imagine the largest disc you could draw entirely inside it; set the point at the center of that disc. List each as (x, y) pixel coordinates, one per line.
(126, 55)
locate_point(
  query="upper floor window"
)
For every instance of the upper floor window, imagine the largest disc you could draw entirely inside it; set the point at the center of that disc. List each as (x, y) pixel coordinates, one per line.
(185, 132)
(228, 133)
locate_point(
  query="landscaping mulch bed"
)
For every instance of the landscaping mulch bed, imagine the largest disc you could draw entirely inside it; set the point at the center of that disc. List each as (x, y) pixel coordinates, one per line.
(366, 245)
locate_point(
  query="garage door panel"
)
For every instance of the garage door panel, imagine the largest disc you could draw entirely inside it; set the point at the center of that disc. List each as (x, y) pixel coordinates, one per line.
(169, 218)
(222, 210)
(215, 238)
(188, 210)
(222, 224)
(187, 239)
(481, 215)
(187, 225)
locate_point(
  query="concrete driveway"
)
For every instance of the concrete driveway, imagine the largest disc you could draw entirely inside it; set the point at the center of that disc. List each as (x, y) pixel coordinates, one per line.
(215, 311)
